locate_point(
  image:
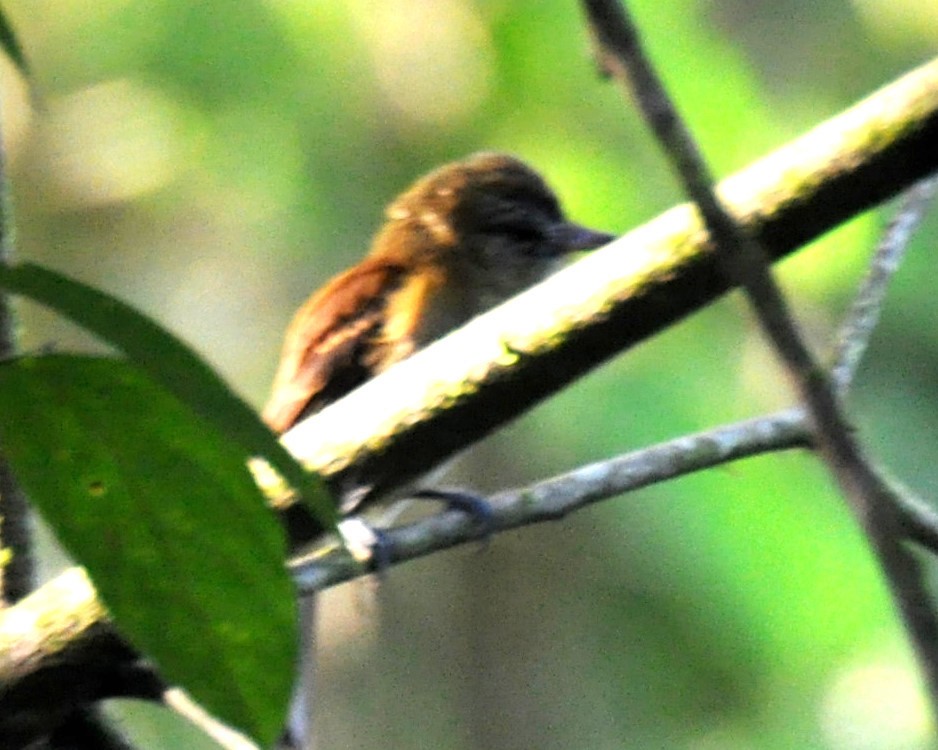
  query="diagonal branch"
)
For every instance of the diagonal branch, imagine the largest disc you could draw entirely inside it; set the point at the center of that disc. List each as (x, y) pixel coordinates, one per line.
(743, 260)
(460, 389)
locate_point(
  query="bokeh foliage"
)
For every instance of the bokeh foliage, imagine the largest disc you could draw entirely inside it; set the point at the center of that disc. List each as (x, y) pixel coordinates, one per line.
(214, 162)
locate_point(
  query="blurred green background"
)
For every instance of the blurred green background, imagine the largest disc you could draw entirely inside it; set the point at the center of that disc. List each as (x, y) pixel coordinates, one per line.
(212, 163)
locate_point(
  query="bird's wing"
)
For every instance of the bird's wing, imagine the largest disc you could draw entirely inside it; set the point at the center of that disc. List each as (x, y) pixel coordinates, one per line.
(329, 347)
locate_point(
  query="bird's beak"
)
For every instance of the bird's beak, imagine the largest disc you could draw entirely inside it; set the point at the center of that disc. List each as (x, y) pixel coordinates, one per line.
(573, 237)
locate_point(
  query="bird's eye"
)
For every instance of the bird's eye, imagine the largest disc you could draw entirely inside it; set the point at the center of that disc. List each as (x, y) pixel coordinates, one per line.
(525, 232)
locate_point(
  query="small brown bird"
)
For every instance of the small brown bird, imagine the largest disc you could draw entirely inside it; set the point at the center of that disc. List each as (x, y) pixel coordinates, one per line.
(460, 240)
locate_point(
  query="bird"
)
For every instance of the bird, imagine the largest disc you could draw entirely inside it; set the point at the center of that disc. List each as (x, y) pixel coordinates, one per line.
(460, 240)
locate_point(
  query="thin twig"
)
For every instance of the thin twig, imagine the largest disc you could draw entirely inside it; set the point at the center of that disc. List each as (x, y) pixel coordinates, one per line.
(854, 334)
(557, 497)
(620, 54)
(918, 520)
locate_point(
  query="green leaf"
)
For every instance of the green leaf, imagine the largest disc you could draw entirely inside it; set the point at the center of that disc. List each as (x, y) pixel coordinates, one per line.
(11, 45)
(174, 365)
(161, 509)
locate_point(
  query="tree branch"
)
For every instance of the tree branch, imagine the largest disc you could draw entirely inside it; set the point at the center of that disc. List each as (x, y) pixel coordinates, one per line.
(554, 498)
(59, 652)
(461, 388)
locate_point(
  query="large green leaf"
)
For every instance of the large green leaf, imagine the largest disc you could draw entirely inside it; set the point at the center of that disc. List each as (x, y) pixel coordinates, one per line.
(161, 509)
(173, 364)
